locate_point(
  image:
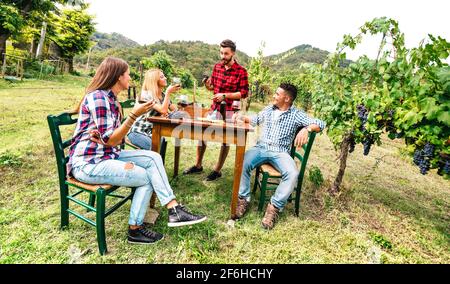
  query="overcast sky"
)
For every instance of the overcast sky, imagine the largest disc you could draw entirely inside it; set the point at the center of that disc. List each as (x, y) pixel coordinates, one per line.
(281, 24)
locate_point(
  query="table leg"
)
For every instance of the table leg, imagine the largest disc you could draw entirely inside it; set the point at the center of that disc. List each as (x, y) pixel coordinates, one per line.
(177, 157)
(239, 161)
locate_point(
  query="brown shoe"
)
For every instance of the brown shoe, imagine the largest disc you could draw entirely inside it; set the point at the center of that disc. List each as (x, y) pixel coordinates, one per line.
(241, 208)
(270, 217)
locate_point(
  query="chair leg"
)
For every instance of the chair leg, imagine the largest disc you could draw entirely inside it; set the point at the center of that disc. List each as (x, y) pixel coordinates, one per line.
(64, 206)
(262, 197)
(100, 221)
(297, 199)
(91, 201)
(162, 149)
(255, 186)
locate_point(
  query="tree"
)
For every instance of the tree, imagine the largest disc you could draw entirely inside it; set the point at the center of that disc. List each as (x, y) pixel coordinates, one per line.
(161, 60)
(73, 30)
(303, 79)
(187, 79)
(258, 74)
(17, 14)
(402, 92)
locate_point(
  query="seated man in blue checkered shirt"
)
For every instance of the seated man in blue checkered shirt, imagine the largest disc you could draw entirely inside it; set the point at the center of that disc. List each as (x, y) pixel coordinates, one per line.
(280, 122)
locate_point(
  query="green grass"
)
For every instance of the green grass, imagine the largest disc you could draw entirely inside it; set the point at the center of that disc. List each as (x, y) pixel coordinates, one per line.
(387, 212)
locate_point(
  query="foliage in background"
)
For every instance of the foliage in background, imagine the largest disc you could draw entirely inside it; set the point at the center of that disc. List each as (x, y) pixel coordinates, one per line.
(15, 15)
(315, 176)
(73, 29)
(197, 57)
(303, 79)
(187, 79)
(294, 57)
(160, 60)
(400, 92)
(10, 19)
(259, 77)
(9, 159)
(105, 41)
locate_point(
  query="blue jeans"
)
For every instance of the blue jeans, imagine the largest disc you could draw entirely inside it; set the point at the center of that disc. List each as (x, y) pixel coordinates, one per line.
(147, 174)
(281, 161)
(141, 140)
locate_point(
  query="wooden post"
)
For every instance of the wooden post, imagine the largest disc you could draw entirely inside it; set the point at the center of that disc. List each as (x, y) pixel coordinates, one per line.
(21, 70)
(4, 65)
(87, 61)
(195, 88)
(41, 40)
(141, 71)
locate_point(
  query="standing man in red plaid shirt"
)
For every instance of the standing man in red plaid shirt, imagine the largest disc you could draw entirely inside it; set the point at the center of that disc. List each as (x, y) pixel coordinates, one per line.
(229, 82)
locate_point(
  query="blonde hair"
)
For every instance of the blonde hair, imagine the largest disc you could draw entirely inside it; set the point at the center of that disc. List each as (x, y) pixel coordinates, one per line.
(106, 76)
(151, 82)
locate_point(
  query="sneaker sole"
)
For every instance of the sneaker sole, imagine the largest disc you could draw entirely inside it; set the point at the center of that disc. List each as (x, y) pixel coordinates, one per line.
(196, 173)
(141, 243)
(193, 173)
(212, 179)
(179, 224)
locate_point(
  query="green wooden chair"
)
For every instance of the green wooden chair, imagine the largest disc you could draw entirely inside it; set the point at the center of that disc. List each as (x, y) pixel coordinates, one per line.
(130, 104)
(97, 192)
(268, 178)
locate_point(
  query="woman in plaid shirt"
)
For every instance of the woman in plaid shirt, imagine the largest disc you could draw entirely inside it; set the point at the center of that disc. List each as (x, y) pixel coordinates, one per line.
(96, 158)
(152, 89)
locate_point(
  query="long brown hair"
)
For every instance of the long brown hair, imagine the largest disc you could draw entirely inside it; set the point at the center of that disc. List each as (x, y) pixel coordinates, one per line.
(106, 76)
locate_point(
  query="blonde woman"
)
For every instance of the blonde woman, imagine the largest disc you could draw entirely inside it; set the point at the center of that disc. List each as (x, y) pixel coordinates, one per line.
(95, 157)
(154, 83)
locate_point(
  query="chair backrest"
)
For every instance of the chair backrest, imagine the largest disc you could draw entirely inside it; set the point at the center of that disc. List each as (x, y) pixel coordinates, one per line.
(195, 111)
(128, 104)
(54, 123)
(303, 158)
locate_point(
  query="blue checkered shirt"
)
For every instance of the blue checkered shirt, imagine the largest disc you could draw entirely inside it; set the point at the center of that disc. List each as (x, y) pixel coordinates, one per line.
(278, 134)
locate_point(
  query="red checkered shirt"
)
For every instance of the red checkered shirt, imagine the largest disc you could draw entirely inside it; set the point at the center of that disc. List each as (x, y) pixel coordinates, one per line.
(232, 80)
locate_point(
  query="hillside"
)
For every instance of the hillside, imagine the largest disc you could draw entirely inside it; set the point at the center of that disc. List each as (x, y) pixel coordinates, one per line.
(113, 40)
(292, 58)
(196, 56)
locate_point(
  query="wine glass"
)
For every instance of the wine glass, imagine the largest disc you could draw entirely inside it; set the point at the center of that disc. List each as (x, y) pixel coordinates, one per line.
(236, 106)
(176, 81)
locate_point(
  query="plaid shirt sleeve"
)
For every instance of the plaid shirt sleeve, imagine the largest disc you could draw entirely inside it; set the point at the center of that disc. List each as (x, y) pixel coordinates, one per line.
(243, 83)
(260, 117)
(102, 115)
(303, 120)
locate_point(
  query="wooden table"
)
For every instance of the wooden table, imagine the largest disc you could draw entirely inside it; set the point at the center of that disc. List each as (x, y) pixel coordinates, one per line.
(229, 133)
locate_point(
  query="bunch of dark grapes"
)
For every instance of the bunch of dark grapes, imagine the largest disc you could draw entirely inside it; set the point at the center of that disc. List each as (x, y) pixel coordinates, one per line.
(422, 158)
(367, 143)
(362, 115)
(424, 166)
(444, 166)
(417, 156)
(390, 122)
(447, 167)
(428, 150)
(352, 145)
